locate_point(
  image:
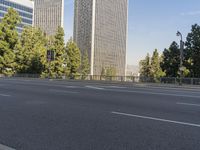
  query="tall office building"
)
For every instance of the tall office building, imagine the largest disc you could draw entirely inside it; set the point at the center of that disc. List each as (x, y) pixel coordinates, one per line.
(100, 27)
(23, 7)
(49, 15)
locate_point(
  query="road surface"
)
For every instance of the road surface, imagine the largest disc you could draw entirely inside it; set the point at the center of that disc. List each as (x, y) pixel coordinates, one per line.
(60, 115)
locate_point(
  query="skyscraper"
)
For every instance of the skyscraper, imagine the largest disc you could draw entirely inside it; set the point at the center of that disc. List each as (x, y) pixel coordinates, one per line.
(100, 27)
(23, 7)
(49, 15)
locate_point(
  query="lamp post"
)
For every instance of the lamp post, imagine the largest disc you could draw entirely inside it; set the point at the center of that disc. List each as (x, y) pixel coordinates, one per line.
(181, 56)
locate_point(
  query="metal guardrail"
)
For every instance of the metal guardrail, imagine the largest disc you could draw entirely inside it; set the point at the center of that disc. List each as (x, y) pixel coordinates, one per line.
(129, 79)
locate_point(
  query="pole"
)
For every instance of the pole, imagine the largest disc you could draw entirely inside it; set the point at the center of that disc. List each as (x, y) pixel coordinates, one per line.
(49, 69)
(181, 61)
(181, 57)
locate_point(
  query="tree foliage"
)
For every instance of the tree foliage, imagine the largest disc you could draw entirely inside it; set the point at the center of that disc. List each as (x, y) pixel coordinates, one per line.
(56, 68)
(111, 71)
(85, 66)
(74, 58)
(156, 70)
(192, 52)
(150, 66)
(171, 60)
(31, 51)
(8, 41)
(145, 66)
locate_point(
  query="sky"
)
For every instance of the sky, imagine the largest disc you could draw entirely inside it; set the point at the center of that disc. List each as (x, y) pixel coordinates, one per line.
(152, 24)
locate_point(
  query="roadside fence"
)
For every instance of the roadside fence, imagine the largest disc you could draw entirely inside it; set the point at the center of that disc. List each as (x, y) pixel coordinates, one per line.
(129, 79)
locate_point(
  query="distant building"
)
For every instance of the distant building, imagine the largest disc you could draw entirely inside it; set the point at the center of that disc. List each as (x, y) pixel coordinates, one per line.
(100, 27)
(132, 70)
(23, 7)
(49, 15)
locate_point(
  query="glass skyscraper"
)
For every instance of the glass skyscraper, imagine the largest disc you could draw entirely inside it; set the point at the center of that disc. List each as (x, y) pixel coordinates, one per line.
(49, 15)
(100, 27)
(23, 7)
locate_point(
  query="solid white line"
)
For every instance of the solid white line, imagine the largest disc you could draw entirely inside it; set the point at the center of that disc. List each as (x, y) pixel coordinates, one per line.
(157, 119)
(71, 87)
(94, 87)
(188, 104)
(154, 93)
(3, 147)
(62, 91)
(5, 95)
(115, 87)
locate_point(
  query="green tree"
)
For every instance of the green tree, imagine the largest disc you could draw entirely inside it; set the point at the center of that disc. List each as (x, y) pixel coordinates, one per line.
(8, 41)
(85, 66)
(31, 51)
(56, 68)
(145, 67)
(49, 65)
(171, 60)
(103, 72)
(74, 58)
(59, 48)
(192, 52)
(156, 71)
(111, 71)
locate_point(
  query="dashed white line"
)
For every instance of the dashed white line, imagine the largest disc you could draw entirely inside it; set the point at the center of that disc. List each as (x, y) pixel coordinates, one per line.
(94, 87)
(115, 87)
(3, 147)
(5, 95)
(157, 119)
(188, 104)
(73, 87)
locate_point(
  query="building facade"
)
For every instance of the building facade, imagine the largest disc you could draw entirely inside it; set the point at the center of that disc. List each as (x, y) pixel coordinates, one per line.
(49, 15)
(23, 7)
(100, 27)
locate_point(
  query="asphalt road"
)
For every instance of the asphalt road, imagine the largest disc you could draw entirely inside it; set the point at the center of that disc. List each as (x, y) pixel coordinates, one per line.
(58, 115)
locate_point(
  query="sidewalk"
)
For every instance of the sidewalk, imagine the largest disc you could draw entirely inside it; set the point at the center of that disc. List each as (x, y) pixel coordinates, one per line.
(115, 83)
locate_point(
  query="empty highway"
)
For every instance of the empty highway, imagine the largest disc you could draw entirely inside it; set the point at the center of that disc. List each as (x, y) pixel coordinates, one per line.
(66, 115)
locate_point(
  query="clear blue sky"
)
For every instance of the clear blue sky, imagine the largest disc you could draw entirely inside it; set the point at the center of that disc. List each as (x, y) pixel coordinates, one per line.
(152, 24)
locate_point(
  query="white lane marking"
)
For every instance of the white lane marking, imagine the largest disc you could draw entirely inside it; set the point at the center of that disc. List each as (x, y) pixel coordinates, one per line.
(94, 87)
(165, 87)
(71, 87)
(154, 93)
(188, 104)
(5, 95)
(63, 91)
(167, 90)
(3, 147)
(115, 87)
(157, 119)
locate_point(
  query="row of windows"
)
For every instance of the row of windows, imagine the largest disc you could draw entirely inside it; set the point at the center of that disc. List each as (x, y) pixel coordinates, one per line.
(21, 25)
(17, 6)
(23, 20)
(20, 13)
(19, 28)
(27, 21)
